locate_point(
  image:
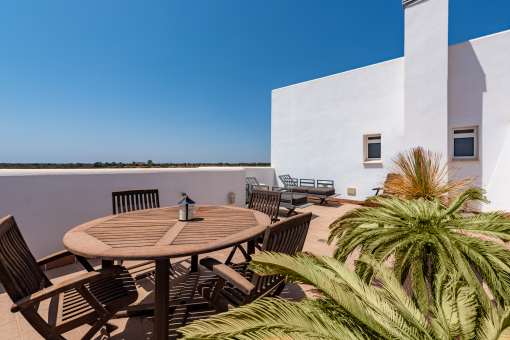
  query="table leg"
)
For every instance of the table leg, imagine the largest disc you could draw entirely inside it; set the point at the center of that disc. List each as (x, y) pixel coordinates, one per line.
(107, 263)
(194, 263)
(162, 303)
(251, 247)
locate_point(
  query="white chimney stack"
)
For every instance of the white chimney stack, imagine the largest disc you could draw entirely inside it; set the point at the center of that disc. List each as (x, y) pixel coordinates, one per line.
(426, 74)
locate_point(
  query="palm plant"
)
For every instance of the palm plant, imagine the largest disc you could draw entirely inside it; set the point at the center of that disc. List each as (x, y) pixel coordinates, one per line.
(427, 236)
(418, 173)
(353, 309)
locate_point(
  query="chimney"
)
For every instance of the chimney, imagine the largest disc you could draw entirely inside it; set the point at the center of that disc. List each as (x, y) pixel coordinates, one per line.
(426, 75)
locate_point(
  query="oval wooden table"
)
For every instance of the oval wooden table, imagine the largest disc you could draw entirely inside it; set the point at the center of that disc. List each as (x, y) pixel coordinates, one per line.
(157, 234)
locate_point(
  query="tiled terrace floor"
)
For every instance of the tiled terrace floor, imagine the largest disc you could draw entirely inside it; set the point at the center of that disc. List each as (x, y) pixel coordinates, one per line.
(13, 326)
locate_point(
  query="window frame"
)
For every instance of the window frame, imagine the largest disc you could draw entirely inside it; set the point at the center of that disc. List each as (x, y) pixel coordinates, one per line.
(366, 141)
(473, 134)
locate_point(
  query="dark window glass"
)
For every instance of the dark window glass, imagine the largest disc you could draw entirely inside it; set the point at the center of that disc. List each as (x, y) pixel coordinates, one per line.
(464, 147)
(374, 150)
(456, 132)
(374, 138)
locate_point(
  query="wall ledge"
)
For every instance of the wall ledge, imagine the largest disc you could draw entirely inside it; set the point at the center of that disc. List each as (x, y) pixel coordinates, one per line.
(109, 171)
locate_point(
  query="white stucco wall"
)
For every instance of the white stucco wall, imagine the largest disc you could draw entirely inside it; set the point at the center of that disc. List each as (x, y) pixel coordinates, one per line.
(479, 95)
(265, 175)
(317, 127)
(48, 203)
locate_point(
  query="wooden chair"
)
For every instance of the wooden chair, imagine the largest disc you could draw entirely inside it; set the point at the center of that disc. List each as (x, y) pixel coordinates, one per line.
(133, 200)
(253, 183)
(234, 285)
(390, 177)
(92, 298)
(267, 202)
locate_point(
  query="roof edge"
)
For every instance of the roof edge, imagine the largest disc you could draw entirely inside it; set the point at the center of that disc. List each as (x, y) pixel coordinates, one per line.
(409, 3)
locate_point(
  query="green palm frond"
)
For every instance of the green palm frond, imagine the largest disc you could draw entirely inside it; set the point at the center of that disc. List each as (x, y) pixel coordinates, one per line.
(456, 311)
(350, 309)
(271, 318)
(418, 232)
(337, 282)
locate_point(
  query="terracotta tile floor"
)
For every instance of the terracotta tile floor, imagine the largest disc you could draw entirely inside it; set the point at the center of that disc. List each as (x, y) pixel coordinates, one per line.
(14, 326)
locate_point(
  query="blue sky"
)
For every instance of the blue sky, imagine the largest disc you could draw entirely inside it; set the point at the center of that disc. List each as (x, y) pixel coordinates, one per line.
(187, 80)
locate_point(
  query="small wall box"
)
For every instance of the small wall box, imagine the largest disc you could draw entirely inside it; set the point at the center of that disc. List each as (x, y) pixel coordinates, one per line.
(231, 198)
(351, 191)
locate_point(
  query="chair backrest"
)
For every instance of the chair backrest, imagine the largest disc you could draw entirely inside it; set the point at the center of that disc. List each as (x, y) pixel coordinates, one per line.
(391, 177)
(132, 200)
(288, 181)
(253, 183)
(19, 272)
(287, 237)
(265, 201)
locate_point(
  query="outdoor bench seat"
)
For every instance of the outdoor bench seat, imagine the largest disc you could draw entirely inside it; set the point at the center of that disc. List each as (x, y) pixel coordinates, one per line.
(321, 191)
(324, 189)
(296, 199)
(302, 189)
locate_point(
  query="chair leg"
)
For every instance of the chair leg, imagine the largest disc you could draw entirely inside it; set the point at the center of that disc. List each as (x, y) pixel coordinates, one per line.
(291, 211)
(96, 328)
(280, 288)
(231, 255)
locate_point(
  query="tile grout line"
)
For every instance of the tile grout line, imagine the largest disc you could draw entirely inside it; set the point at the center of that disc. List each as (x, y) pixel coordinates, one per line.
(19, 326)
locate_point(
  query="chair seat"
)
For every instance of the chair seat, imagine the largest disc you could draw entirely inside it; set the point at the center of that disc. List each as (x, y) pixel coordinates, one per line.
(321, 191)
(112, 292)
(230, 297)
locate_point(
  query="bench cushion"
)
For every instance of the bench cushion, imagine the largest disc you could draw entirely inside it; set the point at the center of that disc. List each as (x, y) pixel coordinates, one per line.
(301, 189)
(322, 191)
(296, 199)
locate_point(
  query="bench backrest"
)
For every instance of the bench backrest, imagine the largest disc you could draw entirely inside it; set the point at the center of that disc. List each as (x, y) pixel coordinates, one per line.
(305, 182)
(325, 183)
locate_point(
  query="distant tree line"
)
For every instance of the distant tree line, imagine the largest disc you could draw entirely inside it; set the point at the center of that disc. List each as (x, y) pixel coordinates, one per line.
(148, 164)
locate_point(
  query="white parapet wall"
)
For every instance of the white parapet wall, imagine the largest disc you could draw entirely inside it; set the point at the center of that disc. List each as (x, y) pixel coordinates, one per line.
(48, 203)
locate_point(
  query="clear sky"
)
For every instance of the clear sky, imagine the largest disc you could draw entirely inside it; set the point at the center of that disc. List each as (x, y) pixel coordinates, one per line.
(187, 80)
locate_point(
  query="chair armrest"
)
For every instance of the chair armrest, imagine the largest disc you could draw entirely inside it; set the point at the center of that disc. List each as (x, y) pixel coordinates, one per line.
(64, 286)
(227, 273)
(265, 186)
(54, 257)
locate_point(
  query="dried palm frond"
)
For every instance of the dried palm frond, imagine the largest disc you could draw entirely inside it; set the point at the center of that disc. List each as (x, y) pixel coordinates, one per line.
(419, 173)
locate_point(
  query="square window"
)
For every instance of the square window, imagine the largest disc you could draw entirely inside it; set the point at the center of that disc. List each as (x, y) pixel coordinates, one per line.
(372, 147)
(464, 147)
(465, 143)
(374, 150)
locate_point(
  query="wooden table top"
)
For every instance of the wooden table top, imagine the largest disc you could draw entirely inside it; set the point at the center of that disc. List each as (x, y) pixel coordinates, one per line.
(156, 234)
